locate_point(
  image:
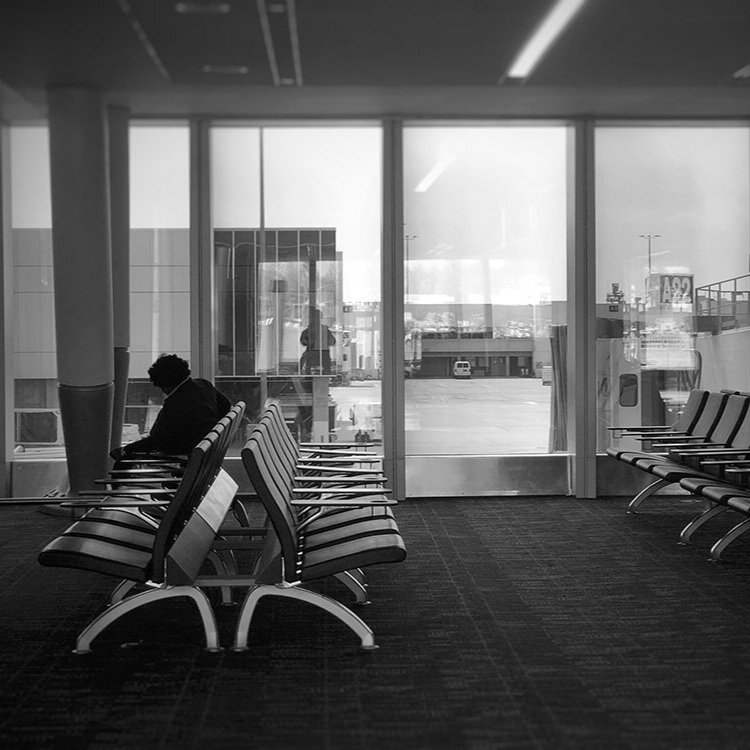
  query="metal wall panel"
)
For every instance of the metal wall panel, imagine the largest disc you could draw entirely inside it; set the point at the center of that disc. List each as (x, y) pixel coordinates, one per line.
(476, 476)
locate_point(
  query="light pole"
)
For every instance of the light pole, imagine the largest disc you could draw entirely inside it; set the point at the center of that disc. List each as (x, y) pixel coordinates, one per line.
(649, 237)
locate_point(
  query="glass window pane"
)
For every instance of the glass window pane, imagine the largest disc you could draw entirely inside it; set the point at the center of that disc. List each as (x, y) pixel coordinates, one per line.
(485, 286)
(672, 268)
(37, 426)
(298, 304)
(159, 262)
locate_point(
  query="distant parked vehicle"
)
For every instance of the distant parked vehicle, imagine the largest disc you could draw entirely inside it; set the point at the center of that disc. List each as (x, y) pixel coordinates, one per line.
(461, 369)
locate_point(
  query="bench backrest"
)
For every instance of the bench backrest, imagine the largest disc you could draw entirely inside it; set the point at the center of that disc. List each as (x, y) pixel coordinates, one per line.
(694, 405)
(741, 438)
(274, 493)
(710, 414)
(287, 445)
(730, 419)
(202, 468)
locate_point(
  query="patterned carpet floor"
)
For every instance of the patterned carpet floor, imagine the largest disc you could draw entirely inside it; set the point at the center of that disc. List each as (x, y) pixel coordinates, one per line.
(514, 623)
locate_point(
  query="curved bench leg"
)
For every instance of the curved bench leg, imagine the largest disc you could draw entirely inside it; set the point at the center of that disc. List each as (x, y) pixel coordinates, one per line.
(355, 586)
(695, 523)
(121, 591)
(223, 564)
(359, 574)
(240, 513)
(357, 624)
(728, 538)
(106, 618)
(646, 493)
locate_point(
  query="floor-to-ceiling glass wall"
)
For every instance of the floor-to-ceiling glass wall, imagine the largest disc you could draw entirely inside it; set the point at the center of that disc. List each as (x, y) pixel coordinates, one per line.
(159, 261)
(37, 427)
(296, 214)
(673, 268)
(485, 249)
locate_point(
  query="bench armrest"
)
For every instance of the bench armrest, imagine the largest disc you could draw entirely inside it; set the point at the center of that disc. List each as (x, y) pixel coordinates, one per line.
(125, 492)
(131, 502)
(340, 491)
(704, 449)
(338, 470)
(684, 442)
(348, 479)
(311, 445)
(364, 458)
(336, 452)
(345, 502)
(640, 427)
(135, 481)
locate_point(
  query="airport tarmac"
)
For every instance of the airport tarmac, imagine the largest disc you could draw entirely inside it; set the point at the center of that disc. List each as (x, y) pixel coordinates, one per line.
(469, 417)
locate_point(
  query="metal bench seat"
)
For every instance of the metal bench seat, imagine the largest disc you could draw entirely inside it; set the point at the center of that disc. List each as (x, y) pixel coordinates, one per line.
(301, 553)
(168, 557)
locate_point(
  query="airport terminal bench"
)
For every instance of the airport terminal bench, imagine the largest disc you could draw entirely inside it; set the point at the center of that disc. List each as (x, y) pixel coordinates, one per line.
(709, 456)
(179, 544)
(165, 552)
(334, 529)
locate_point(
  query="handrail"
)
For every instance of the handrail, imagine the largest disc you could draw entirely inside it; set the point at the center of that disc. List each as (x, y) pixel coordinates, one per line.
(722, 301)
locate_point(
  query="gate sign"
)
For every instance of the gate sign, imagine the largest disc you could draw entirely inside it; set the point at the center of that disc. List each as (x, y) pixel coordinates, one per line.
(676, 289)
(673, 289)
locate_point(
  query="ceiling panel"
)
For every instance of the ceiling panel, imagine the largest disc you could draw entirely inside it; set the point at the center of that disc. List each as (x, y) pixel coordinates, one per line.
(287, 53)
(651, 43)
(412, 43)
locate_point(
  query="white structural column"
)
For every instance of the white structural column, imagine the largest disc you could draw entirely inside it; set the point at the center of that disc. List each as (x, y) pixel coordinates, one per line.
(119, 198)
(83, 279)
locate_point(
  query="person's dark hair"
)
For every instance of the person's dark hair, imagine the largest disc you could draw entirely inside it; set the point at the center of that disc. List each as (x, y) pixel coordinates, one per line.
(168, 371)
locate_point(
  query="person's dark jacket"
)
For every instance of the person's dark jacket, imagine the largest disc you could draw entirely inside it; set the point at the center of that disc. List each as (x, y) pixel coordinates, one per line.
(188, 414)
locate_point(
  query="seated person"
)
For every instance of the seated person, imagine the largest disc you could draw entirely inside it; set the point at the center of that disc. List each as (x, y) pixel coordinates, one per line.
(192, 406)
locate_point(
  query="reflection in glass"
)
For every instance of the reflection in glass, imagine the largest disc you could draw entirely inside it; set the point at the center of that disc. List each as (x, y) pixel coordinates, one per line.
(672, 276)
(296, 258)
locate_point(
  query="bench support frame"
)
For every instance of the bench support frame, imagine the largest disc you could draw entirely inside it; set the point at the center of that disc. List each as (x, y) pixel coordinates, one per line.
(122, 607)
(354, 622)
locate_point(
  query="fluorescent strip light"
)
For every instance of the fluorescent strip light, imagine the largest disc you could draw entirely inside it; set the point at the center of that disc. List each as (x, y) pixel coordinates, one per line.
(543, 38)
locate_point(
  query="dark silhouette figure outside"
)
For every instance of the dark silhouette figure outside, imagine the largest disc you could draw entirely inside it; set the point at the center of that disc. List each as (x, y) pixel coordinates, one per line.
(317, 340)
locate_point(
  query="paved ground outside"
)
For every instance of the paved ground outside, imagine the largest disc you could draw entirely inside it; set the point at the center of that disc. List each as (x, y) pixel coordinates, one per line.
(476, 416)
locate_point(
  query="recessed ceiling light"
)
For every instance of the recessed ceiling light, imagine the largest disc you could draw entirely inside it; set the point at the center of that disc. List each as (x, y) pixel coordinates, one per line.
(206, 8)
(227, 70)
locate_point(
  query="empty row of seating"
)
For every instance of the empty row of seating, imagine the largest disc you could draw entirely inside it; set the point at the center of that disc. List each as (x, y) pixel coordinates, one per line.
(334, 525)
(706, 452)
(171, 535)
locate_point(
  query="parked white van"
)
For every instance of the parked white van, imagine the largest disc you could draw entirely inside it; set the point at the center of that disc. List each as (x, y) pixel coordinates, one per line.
(461, 369)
